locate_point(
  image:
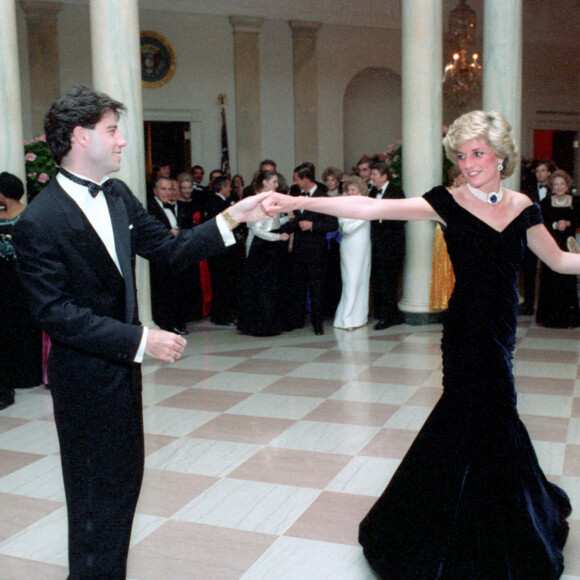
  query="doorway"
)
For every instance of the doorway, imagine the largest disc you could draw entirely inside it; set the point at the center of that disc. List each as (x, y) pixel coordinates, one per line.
(167, 142)
(559, 146)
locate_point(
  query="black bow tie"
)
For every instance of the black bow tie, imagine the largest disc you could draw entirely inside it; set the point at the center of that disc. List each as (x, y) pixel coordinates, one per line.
(94, 188)
(170, 206)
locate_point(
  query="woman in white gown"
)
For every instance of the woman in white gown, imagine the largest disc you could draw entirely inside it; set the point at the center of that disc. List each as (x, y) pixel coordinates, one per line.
(355, 264)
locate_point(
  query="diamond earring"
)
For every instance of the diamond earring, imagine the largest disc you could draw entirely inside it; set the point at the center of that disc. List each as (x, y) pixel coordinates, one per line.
(500, 165)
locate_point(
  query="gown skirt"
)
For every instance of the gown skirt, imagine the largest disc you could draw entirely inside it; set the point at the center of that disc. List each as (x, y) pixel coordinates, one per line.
(469, 501)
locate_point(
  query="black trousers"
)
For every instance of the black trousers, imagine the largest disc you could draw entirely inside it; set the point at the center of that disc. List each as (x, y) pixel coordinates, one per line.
(386, 271)
(102, 456)
(307, 278)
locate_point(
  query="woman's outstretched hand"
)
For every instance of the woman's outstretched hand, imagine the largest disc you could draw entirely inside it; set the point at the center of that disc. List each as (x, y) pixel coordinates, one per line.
(277, 203)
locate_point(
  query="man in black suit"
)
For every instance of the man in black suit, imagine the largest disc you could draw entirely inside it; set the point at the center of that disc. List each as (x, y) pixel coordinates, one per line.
(536, 192)
(225, 268)
(309, 254)
(388, 251)
(166, 309)
(76, 246)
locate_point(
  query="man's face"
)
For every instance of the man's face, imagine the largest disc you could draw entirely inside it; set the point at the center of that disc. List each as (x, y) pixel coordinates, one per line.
(174, 190)
(164, 190)
(104, 146)
(268, 167)
(213, 175)
(164, 171)
(226, 189)
(542, 174)
(364, 172)
(198, 174)
(377, 179)
(298, 181)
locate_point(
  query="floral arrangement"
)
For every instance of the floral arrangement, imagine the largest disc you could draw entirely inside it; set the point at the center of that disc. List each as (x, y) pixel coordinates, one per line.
(40, 165)
(394, 157)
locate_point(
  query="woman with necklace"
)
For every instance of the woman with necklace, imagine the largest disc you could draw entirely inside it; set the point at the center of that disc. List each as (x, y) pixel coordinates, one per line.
(469, 500)
(558, 295)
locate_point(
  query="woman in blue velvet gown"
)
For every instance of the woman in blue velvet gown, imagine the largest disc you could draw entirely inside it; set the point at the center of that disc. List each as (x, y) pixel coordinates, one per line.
(469, 500)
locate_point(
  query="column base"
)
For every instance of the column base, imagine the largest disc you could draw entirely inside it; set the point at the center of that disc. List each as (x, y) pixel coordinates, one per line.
(421, 318)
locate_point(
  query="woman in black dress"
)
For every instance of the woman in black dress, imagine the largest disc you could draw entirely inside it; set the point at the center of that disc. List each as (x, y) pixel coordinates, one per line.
(469, 500)
(264, 276)
(558, 296)
(20, 340)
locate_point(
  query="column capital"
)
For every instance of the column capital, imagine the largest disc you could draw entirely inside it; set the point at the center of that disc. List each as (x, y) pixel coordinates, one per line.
(304, 28)
(246, 23)
(40, 9)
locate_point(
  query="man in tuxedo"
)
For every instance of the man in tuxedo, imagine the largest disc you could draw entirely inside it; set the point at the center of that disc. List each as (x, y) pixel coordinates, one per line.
(225, 268)
(76, 246)
(536, 192)
(388, 251)
(363, 168)
(165, 308)
(309, 254)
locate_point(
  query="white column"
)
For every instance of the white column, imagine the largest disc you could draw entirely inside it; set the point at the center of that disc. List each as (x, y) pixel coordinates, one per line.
(422, 153)
(116, 58)
(11, 135)
(41, 24)
(502, 66)
(305, 90)
(247, 72)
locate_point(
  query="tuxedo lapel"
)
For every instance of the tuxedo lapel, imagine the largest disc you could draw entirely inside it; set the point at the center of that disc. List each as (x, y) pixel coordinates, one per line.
(122, 234)
(89, 245)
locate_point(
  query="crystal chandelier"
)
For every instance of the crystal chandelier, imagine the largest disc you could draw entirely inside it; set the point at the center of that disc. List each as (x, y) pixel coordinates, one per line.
(462, 76)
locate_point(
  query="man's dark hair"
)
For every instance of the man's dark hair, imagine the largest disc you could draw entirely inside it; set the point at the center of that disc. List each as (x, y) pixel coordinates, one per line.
(382, 167)
(218, 183)
(11, 186)
(547, 162)
(306, 170)
(364, 159)
(80, 107)
(197, 167)
(267, 162)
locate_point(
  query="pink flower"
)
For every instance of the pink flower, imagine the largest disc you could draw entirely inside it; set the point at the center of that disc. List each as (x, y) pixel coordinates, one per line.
(26, 142)
(42, 138)
(395, 158)
(30, 157)
(43, 177)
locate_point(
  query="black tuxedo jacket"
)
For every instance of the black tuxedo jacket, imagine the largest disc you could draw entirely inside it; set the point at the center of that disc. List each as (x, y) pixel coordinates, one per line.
(215, 204)
(76, 293)
(157, 211)
(311, 244)
(388, 235)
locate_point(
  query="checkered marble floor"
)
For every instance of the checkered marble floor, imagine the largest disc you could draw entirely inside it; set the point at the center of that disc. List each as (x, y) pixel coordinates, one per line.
(264, 454)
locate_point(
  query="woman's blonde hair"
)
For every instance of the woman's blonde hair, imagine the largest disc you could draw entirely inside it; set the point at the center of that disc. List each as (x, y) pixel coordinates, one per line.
(492, 127)
(357, 182)
(564, 175)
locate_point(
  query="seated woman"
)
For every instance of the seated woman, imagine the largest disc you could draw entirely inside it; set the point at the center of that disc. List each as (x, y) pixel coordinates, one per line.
(20, 340)
(558, 295)
(355, 264)
(262, 300)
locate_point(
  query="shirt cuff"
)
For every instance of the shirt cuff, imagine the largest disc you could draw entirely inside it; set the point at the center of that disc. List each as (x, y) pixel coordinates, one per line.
(141, 350)
(226, 233)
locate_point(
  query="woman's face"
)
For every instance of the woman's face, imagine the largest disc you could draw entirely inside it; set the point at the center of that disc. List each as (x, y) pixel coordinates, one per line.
(186, 187)
(270, 184)
(352, 189)
(331, 183)
(478, 163)
(559, 186)
(237, 183)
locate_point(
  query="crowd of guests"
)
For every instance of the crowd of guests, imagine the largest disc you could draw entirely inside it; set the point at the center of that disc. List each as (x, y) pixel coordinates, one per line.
(288, 269)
